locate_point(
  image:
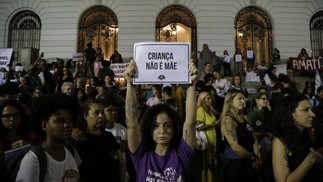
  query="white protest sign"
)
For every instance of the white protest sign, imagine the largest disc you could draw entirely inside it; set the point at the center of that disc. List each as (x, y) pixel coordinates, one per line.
(119, 68)
(19, 68)
(5, 57)
(238, 58)
(281, 68)
(162, 62)
(78, 56)
(227, 59)
(250, 54)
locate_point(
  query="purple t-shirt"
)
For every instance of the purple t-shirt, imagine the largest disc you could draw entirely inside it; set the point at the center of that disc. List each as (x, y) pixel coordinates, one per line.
(168, 168)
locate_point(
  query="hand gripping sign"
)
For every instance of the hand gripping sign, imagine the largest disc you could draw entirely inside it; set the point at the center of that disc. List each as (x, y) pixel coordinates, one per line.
(162, 62)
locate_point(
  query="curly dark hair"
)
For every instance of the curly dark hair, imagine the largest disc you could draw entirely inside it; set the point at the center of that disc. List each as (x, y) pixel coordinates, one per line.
(24, 126)
(148, 121)
(284, 126)
(43, 107)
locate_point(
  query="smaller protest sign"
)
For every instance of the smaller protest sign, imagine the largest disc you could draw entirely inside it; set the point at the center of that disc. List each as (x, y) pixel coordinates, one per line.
(78, 56)
(238, 58)
(19, 68)
(118, 68)
(5, 57)
(249, 54)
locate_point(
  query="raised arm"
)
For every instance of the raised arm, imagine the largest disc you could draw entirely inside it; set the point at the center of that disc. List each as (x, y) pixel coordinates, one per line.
(190, 119)
(131, 107)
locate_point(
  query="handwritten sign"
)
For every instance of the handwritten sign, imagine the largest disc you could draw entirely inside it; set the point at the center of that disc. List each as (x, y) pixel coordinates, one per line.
(5, 57)
(162, 62)
(119, 68)
(78, 56)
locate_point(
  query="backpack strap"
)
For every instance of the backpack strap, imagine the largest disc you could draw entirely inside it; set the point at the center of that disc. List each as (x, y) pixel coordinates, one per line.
(42, 160)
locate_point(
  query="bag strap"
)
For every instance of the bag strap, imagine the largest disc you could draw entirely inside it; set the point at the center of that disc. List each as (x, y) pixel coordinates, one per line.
(42, 160)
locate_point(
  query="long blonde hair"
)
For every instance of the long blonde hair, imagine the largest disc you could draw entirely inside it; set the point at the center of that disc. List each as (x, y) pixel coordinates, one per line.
(227, 105)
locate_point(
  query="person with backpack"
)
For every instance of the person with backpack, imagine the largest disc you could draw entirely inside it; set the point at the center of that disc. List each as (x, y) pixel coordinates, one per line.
(52, 116)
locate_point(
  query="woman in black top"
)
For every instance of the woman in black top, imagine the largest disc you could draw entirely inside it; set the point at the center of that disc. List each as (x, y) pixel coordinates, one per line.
(241, 155)
(100, 153)
(294, 158)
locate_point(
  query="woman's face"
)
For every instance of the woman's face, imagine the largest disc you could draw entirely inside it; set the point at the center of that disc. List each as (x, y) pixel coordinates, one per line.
(208, 101)
(111, 113)
(262, 101)
(163, 129)
(107, 80)
(216, 75)
(101, 91)
(303, 114)
(79, 94)
(237, 80)
(154, 91)
(38, 93)
(65, 71)
(238, 101)
(95, 117)
(59, 125)
(11, 117)
(274, 71)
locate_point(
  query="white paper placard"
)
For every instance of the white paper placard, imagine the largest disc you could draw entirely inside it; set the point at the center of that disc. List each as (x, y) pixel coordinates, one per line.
(250, 54)
(227, 59)
(162, 62)
(19, 68)
(238, 58)
(5, 57)
(119, 68)
(77, 56)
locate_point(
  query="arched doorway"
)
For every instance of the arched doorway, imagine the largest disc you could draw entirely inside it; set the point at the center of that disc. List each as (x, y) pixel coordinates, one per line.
(98, 25)
(24, 37)
(177, 24)
(316, 27)
(253, 29)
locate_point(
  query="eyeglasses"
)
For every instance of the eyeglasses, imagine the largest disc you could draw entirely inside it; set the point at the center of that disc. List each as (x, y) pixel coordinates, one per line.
(11, 116)
(263, 98)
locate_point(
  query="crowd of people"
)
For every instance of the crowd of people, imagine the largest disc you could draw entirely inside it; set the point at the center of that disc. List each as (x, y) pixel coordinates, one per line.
(92, 128)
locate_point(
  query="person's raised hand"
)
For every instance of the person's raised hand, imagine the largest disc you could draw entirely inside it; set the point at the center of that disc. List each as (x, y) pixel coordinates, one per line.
(130, 71)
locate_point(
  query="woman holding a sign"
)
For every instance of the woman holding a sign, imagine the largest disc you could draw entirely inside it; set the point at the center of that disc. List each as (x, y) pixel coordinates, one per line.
(226, 63)
(238, 59)
(158, 149)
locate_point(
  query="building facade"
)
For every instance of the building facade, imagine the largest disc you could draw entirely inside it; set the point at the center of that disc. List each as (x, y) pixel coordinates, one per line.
(60, 28)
